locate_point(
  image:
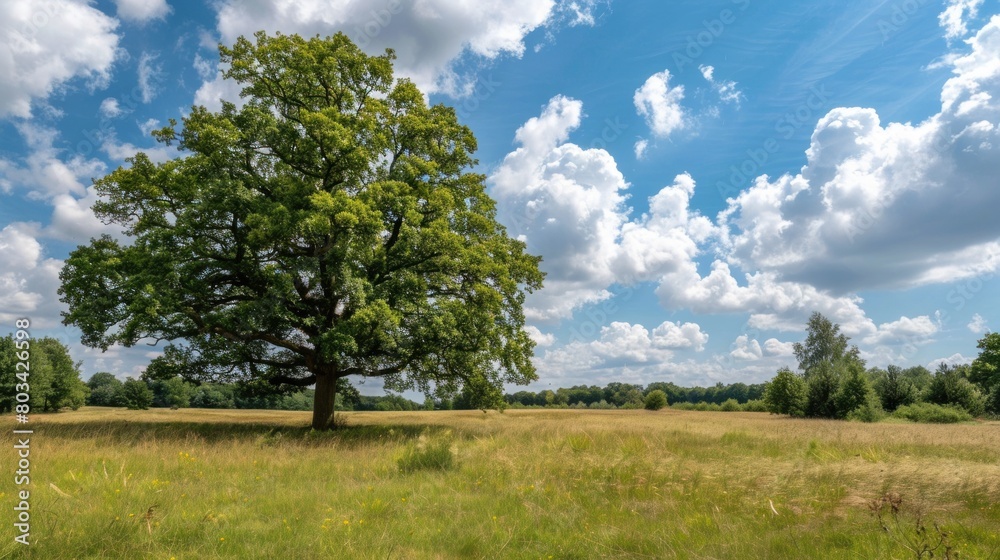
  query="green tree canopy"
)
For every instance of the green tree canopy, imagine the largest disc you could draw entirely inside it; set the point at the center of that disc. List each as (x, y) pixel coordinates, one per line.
(952, 386)
(65, 388)
(894, 388)
(985, 369)
(655, 400)
(105, 390)
(8, 378)
(54, 379)
(326, 228)
(136, 394)
(824, 343)
(786, 394)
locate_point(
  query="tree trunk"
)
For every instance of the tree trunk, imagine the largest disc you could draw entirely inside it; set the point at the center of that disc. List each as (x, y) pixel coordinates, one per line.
(326, 394)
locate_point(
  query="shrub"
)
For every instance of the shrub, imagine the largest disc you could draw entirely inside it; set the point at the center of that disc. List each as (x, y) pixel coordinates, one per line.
(993, 401)
(870, 411)
(855, 391)
(655, 400)
(932, 413)
(136, 394)
(731, 405)
(894, 388)
(950, 387)
(707, 407)
(786, 394)
(427, 454)
(755, 405)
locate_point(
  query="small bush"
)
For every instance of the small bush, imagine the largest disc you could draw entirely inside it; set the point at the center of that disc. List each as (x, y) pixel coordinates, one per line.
(682, 406)
(731, 405)
(755, 405)
(427, 454)
(655, 400)
(786, 394)
(707, 407)
(870, 411)
(932, 413)
(136, 394)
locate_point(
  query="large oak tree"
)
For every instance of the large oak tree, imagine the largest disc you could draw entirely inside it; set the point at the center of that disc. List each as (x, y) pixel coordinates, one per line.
(327, 227)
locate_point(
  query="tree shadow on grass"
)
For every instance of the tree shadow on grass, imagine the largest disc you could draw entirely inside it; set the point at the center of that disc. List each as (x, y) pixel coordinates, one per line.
(131, 433)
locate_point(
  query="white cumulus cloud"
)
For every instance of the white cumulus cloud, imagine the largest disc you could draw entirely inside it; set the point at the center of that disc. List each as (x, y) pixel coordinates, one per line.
(978, 324)
(28, 280)
(430, 37)
(845, 222)
(915, 330)
(747, 349)
(110, 108)
(660, 104)
(954, 19)
(568, 204)
(46, 171)
(48, 43)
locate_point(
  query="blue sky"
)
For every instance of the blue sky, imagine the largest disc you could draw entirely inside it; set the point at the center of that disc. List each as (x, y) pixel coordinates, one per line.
(699, 176)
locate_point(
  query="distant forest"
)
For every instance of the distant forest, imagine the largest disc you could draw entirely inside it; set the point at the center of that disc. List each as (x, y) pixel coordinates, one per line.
(833, 383)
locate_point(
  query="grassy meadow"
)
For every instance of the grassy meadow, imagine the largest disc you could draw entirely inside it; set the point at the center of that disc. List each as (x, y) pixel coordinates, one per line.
(201, 484)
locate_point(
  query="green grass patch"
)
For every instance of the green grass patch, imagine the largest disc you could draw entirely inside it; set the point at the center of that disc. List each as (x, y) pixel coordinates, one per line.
(525, 484)
(428, 454)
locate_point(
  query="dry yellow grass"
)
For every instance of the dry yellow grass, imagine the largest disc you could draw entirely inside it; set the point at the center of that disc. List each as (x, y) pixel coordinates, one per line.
(526, 484)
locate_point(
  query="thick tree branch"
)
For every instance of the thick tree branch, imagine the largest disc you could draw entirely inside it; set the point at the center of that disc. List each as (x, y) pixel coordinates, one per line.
(294, 381)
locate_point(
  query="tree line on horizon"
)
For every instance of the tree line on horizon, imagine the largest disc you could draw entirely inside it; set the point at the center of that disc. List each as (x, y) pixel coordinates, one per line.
(832, 382)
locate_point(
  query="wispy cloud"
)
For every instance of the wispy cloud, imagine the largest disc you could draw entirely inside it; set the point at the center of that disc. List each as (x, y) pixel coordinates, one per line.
(150, 74)
(725, 88)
